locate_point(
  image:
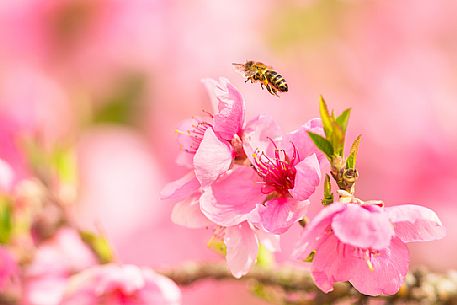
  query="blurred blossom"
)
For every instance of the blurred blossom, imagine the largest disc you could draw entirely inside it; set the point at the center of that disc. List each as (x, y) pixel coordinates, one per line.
(7, 267)
(33, 108)
(6, 177)
(83, 40)
(119, 181)
(34, 101)
(120, 285)
(53, 262)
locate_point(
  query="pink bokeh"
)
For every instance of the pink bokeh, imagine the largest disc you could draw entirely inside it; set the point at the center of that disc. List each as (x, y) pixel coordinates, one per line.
(394, 64)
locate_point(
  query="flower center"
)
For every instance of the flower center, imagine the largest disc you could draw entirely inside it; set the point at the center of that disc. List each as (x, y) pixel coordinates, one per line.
(278, 172)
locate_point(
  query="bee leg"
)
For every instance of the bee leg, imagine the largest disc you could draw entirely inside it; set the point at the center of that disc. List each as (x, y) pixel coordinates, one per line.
(261, 86)
(269, 88)
(275, 92)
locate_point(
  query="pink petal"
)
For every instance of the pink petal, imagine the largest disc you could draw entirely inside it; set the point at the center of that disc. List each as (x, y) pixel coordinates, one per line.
(415, 223)
(212, 159)
(180, 189)
(301, 140)
(229, 119)
(242, 247)
(185, 159)
(389, 270)
(278, 214)
(187, 213)
(307, 178)
(257, 132)
(332, 263)
(364, 227)
(230, 200)
(315, 229)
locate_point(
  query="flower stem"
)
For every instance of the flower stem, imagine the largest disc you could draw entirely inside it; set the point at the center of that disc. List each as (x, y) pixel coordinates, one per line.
(420, 287)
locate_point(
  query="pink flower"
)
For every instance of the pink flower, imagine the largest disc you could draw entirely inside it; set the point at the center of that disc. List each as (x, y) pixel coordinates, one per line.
(274, 195)
(365, 244)
(210, 145)
(250, 199)
(122, 285)
(47, 275)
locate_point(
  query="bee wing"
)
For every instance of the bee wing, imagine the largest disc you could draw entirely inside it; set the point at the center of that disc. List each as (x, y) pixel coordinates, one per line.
(242, 68)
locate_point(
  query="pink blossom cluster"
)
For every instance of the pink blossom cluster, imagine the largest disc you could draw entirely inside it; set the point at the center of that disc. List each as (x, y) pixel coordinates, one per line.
(62, 269)
(246, 178)
(251, 183)
(44, 260)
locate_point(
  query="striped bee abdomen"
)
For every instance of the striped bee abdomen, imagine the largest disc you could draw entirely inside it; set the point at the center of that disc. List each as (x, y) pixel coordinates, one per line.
(276, 80)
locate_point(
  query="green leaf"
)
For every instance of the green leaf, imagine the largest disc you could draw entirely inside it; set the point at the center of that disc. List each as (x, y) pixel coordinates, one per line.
(352, 159)
(326, 118)
(6, 220)
(264, 257)
(323, 144)
(328, 195)
(343, 119)
(337, 140)
(99, 245)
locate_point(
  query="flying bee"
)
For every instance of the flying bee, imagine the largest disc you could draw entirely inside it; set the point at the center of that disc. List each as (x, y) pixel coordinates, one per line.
(257, 71)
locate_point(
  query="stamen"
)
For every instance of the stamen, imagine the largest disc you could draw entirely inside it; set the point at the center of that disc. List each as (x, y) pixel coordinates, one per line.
(279, 171)
(196, 134)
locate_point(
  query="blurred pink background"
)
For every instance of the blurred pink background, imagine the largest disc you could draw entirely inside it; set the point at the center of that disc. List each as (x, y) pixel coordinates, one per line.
(114, 78)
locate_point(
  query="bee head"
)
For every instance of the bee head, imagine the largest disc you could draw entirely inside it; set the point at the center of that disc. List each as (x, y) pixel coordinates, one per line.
(249, 64)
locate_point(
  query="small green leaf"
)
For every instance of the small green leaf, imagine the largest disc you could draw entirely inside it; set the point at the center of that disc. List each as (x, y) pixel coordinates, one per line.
(6, 220)
(352, 159)
(217, 245)
(343, 119)
(326, 118)
(323, 144)
(328, 195)
(99, 245)
(337, 140)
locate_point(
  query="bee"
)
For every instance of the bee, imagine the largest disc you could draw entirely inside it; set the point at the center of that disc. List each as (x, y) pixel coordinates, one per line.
(257, 71)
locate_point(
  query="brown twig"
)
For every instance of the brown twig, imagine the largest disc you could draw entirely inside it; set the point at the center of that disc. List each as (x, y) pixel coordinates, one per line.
(420, 287)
